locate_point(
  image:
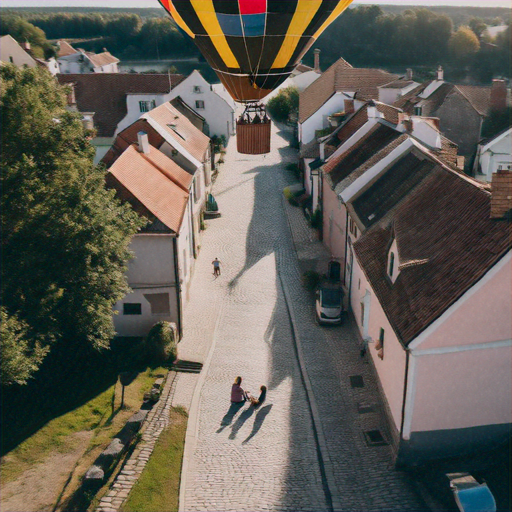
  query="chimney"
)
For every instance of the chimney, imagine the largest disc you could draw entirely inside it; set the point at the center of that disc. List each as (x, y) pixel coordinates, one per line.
(316, 53)
(349, 106)
(461, 162)
(408, 74)
(142, 138)
(26, 46)
(498, 96)
(440, 73)
(501, 194)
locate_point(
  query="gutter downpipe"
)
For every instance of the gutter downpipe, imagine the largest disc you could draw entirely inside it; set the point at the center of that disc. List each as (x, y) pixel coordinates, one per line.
(178, 286)
(406, 378)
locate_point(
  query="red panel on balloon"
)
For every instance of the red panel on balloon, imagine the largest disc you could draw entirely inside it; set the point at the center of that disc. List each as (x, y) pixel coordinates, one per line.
(252, 6)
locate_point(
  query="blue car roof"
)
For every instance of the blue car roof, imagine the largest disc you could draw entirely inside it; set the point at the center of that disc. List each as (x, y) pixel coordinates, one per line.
(477, 499)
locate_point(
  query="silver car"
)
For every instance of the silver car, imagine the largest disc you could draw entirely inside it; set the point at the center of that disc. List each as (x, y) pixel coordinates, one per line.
(329, 305)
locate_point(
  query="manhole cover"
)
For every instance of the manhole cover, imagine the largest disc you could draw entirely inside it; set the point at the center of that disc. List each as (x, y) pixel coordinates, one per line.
(364, 408)
(374, 438)
(356, 381)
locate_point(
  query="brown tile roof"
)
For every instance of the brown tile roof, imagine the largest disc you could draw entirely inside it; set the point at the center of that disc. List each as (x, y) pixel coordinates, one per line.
(378, 138)
(105, 94)
(65, 49)
(180, 129)
(402, 177)
(478, 97)
(363, 81)
(158, 185)
(390, 113)
(401, 83)
(102, 59)
(302, 68)
(352, 125)
(446, 243)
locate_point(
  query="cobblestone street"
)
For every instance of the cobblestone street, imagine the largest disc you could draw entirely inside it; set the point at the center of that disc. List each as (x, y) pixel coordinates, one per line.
(305, 448)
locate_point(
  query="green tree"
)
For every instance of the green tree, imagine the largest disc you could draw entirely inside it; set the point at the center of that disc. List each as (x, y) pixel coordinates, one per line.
(64, 236)
(282, 106)
(23, 31)
(463, 44)
(478, 26)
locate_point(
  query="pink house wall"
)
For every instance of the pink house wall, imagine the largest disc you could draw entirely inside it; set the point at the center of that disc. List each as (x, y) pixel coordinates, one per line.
(390, 369)
(333, 230)
(485, 316)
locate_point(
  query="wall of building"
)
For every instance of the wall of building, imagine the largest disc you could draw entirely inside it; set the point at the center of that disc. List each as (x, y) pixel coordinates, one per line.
(12, 52)
(133, 111)
(334, 223)
(459, 121)
(496, 155)
(319, 119)
(218, 113)
(75, 63)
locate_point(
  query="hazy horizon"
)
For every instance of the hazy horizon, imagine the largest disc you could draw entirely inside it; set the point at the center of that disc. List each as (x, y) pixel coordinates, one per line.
(154, 3)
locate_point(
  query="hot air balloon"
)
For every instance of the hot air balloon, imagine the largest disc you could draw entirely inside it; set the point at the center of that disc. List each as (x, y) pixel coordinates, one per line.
(253, 46)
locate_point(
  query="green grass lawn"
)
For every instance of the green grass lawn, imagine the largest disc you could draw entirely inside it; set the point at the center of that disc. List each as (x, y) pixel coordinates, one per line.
(157, 489)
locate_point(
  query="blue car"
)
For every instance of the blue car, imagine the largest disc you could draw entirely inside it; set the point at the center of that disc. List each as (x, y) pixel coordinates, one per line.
(470, 495)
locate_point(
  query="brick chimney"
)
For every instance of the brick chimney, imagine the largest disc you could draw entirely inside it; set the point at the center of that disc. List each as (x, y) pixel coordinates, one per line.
(316, 53)
(26, 46)
(408, 74)
(498, 96)
(501, 194)
(142, 138)
(440, 74)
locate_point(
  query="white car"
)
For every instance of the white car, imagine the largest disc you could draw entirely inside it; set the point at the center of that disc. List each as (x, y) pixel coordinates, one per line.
(329, 304)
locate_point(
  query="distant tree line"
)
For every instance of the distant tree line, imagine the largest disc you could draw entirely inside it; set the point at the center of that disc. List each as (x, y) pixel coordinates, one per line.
(366, 36)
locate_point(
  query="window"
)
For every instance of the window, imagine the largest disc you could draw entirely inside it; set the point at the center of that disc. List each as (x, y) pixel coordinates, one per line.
(418, 111)
(380, 344)
(359, 284)
(131, 308)
(197, 89)
(362, 313)
(11, 60)
(391, 264)
(146, 106)
(200, 105)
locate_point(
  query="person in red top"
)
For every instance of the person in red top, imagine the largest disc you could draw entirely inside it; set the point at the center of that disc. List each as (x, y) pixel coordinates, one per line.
(237, 393)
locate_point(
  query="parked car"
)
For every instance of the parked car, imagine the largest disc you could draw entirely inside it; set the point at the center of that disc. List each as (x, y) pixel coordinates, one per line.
(329, 304)
(470, 495)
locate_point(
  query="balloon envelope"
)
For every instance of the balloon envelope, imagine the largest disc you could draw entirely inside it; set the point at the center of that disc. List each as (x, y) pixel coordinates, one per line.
(254, 45)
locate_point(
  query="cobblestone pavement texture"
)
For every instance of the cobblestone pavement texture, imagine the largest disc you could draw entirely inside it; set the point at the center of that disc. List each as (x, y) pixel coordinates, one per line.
(267, 458)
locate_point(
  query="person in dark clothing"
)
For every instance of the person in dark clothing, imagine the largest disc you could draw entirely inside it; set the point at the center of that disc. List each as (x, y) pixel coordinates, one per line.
(258, 401)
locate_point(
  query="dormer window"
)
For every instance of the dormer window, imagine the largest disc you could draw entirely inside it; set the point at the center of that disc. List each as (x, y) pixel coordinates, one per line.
(391, 263)
(418, 111)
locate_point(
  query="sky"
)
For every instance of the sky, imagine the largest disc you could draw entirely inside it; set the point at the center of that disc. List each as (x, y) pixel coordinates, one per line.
(154, 3)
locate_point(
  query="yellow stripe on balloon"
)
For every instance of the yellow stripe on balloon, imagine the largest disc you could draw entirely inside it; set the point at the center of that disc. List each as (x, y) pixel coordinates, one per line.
(334, 14)
(206, 13)
(177, 18)
(304, 13)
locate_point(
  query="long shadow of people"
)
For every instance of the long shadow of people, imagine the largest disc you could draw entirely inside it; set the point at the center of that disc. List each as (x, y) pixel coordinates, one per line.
(258, 421)
(228, 417)
(240, 421)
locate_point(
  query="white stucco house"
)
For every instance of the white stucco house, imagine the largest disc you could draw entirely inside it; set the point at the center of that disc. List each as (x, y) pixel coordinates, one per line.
(212, 102)
(11, 52)
(493, 155)
(72, 61)
(163, 255)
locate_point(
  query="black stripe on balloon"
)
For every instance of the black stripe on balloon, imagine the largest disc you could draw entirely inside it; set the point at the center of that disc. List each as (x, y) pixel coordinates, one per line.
(210, 53)
(324, 11)
(189, 15)
(303, 46)
(281, 6)
(278, 23)
(271, 47)
(226, 6)
(237, 45)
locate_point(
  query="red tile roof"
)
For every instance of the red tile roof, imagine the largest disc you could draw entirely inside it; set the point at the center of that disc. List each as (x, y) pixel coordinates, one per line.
(179, 128)
(65, 49)
(446, 243)
(101, 59)
(105, 94)
(156, 183)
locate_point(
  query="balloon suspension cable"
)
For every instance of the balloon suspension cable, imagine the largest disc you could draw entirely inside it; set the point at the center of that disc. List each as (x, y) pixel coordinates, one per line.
(254, 113)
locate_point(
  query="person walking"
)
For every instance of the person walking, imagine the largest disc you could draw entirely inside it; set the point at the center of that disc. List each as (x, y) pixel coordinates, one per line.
(216, 267)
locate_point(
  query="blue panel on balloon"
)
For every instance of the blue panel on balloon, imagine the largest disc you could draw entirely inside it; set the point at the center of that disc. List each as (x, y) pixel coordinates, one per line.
(230, 24)
(254, 24)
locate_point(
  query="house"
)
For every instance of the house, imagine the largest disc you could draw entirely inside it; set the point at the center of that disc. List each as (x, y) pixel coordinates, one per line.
(212, 102)
(116, 100)
(461, 109)
(430, 290)
(370, 151)
(493, 154)
(160, 191)
(12, 52)
(80, 61)
(179, 140)
(341, 88)
(393, 91)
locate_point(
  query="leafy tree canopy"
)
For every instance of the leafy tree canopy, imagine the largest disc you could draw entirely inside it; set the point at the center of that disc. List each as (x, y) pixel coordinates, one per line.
(463, 44)
(64, 236)
(286, 103)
